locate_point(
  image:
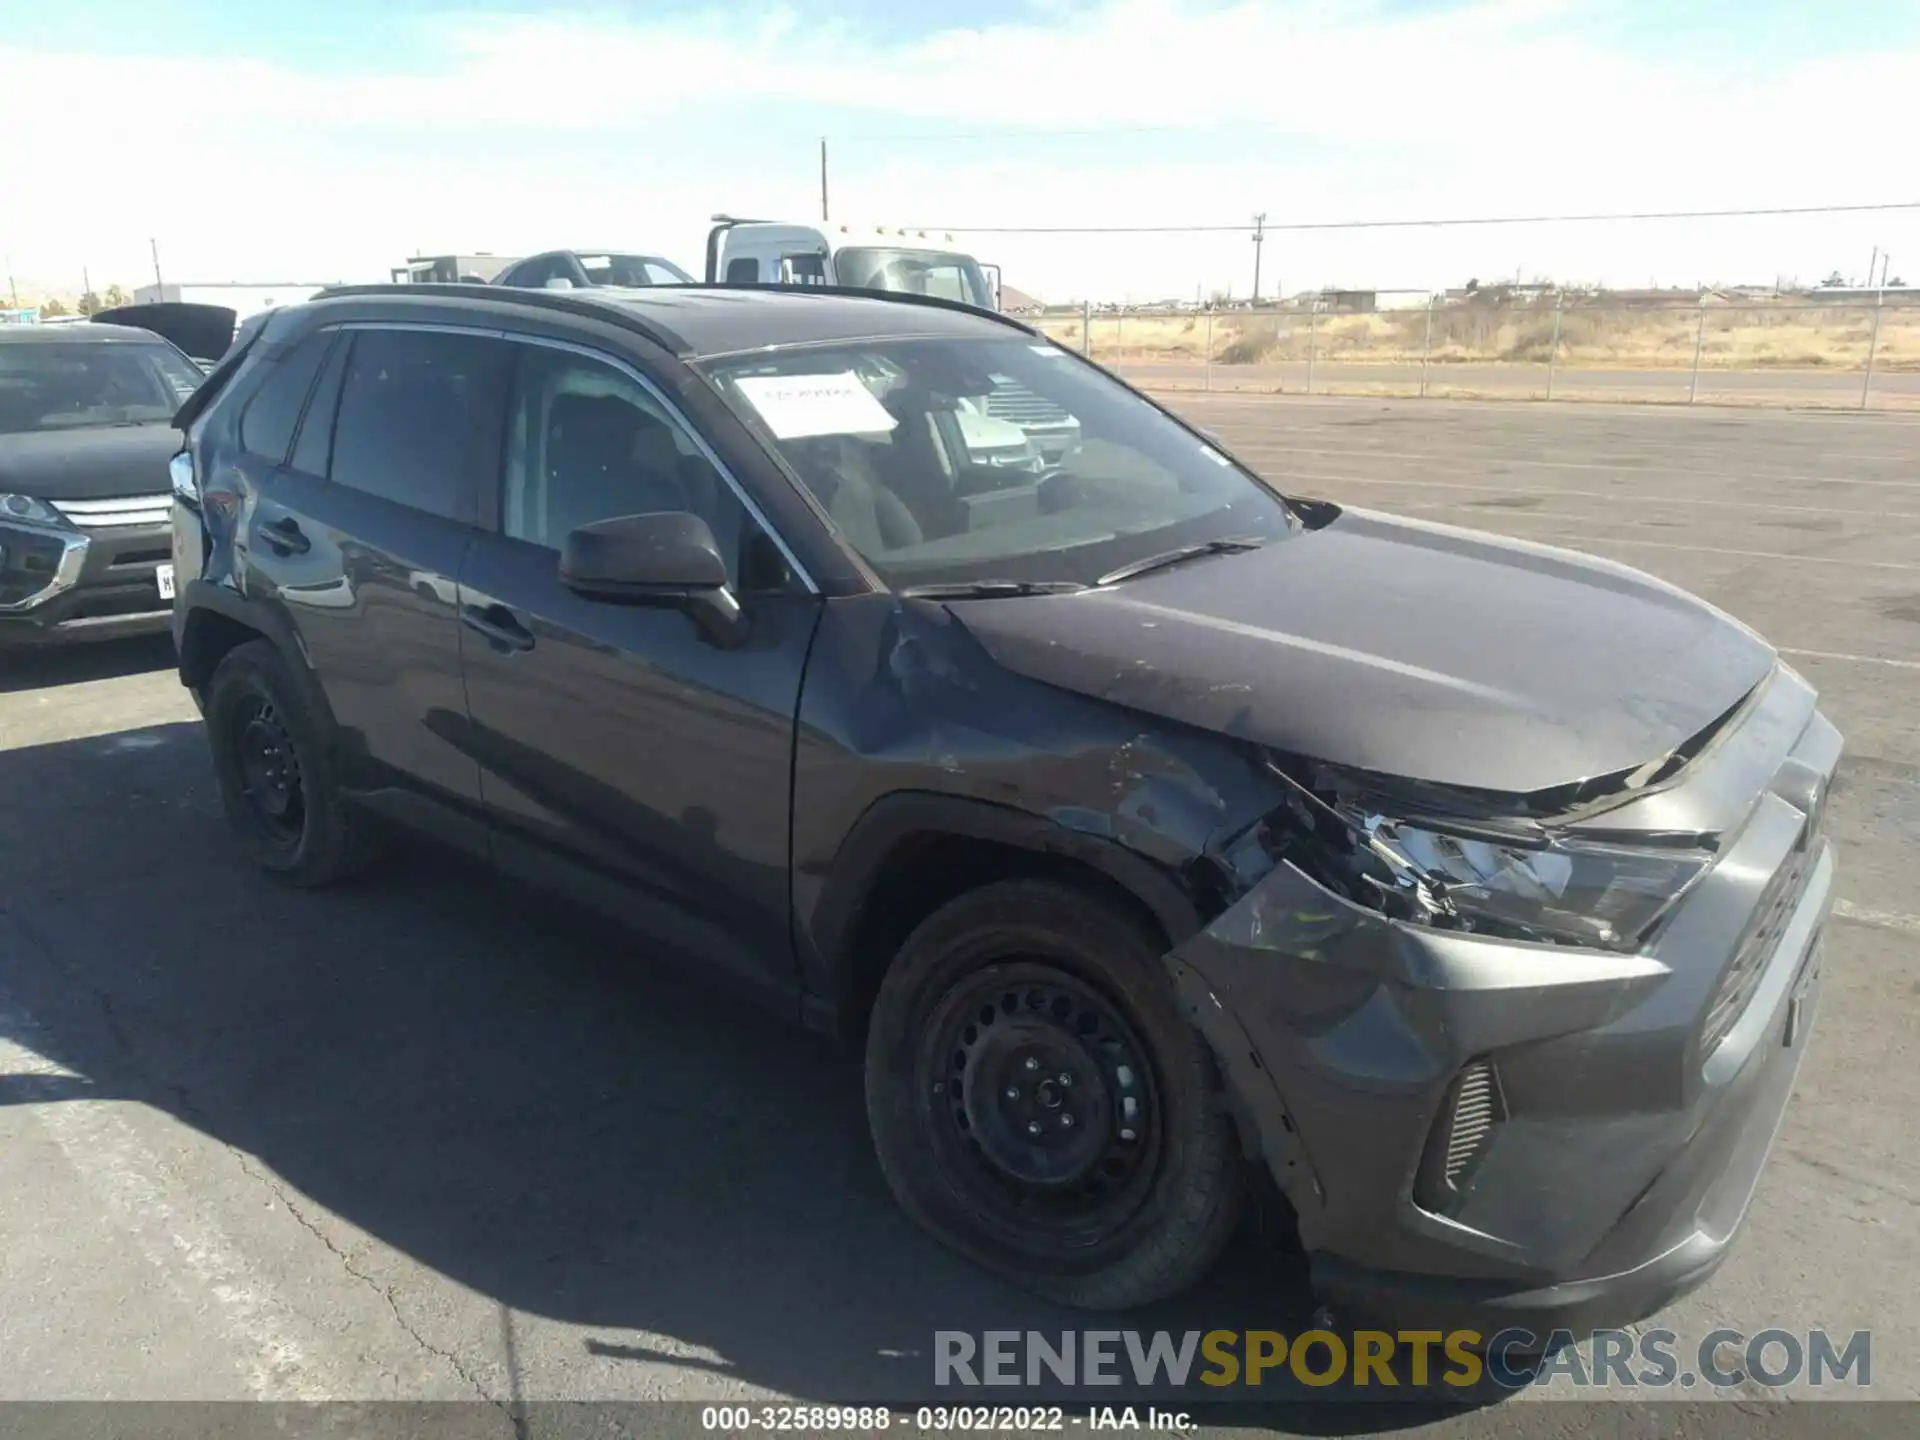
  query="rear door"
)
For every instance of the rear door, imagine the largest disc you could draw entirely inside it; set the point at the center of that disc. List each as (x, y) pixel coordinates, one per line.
(360, 536)
(626, 755)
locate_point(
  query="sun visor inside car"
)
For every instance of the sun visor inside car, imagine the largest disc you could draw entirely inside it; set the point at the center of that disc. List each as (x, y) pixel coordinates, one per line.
(203, 331)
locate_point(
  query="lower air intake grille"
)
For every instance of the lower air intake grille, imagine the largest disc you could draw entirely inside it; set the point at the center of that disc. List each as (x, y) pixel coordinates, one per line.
(1473, 1111)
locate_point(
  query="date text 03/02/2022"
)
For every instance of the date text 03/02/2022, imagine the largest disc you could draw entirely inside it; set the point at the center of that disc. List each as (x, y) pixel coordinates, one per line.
(938, 1419)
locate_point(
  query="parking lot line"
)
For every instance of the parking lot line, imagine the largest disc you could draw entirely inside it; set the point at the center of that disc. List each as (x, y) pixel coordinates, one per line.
(193, 1256)
(1745, 506)
(1507, 458)
(1853, 659)
(1575, 542)
(1881, 919)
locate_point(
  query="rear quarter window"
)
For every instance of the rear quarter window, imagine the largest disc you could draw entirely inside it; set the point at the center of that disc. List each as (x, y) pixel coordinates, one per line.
(267, 422)
(313, 448)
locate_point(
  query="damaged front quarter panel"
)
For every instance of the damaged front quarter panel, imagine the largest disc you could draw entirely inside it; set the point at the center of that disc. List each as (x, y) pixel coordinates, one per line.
(1328, 1018)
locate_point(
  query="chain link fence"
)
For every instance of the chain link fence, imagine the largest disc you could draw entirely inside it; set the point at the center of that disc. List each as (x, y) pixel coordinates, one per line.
(1851, 351)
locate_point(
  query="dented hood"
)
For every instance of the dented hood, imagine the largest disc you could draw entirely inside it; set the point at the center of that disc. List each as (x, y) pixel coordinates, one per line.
(1404, 648)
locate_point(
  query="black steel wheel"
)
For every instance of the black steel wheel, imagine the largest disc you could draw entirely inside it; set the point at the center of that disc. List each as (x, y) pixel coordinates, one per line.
(1042, 1103)
(1039, 1103)
(269, 769)
(271, 764)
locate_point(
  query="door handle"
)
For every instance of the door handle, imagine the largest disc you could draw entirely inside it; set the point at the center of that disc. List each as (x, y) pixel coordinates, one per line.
(496, 622)
(285, 537)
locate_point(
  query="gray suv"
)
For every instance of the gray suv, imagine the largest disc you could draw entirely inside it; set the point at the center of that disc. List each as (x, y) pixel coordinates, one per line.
(1149, 824)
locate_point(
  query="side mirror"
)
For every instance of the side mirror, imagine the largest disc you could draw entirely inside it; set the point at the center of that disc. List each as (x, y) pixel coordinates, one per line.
(665, 558)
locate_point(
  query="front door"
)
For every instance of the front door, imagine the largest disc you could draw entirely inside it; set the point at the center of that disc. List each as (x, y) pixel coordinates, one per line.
(625, 753)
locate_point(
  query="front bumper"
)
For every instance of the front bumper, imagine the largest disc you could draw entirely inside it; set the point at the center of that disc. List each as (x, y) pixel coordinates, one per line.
(102, 585)
(1625, 1141)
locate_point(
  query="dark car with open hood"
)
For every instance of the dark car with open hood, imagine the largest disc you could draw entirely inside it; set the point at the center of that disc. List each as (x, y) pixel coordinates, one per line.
(85, 437)
(1151, 826)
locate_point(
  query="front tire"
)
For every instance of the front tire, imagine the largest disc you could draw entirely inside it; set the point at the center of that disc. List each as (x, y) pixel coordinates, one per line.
(275, 782)
(1039, 1104)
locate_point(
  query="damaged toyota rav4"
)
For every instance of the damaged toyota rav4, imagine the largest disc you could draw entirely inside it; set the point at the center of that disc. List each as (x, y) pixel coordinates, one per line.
(1153, 825)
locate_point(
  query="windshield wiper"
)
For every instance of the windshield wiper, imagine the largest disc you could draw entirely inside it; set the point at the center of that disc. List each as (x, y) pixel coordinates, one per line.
(990, 589)
(1225, 545)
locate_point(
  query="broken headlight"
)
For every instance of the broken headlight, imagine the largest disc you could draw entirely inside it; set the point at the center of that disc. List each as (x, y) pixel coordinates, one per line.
(1574, 892)
(1529, 885)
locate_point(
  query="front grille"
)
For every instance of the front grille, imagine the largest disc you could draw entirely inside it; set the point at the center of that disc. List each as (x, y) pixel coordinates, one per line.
(1770, 920)
(1018, 405)
(1460, 1136)
(120, 513)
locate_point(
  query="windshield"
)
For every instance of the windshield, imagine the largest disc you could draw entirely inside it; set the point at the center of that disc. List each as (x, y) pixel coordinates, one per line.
(58, 386)
(953, 461)
(944, 274)
(633, 270)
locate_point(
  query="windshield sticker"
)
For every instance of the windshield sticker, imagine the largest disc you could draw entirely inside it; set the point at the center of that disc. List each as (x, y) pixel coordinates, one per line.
(1052, 351)
(1215, 456)
(797, 406)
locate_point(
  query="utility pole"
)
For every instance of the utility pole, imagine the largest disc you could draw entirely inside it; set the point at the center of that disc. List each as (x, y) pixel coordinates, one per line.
(86, 288)
(823, 179)
(1873, 265)
(154, 245)
(1259, 239)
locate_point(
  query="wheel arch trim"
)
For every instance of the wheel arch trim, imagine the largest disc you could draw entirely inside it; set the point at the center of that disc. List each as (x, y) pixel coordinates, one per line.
(895, 820)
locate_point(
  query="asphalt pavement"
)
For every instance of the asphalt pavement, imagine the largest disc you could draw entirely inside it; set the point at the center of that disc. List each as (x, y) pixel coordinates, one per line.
(425, 1138)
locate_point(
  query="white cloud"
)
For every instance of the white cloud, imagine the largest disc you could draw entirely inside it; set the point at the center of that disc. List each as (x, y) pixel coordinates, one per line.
(255, 170)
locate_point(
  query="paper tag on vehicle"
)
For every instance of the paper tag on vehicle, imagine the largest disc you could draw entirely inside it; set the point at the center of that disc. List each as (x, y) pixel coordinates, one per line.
(796, 406)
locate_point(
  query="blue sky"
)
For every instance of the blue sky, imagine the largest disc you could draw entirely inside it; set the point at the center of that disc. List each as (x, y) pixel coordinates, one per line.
(355, 131)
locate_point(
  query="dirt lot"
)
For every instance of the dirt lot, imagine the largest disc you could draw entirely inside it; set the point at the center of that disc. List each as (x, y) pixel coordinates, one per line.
(1782, 356)
(425, 1139)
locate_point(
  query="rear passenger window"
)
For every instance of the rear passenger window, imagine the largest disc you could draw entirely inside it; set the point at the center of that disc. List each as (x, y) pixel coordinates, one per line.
(266, 425)
(412, 403)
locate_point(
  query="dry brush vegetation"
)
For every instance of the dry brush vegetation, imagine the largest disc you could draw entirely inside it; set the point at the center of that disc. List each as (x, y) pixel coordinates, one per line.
(1734, 337)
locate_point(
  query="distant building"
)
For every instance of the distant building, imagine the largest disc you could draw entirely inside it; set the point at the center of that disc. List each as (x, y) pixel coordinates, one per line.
(241, 297)
(1350, 302)
(451, 269)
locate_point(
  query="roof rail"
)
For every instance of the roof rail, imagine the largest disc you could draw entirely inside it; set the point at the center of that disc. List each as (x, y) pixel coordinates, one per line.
(567, 302)
(581, 303)
(898, 297)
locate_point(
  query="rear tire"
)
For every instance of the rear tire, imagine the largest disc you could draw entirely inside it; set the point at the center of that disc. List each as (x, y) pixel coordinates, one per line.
(275, 781)
(1039, 1104)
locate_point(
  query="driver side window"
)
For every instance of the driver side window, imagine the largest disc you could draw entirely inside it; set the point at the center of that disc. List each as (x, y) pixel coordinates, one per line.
(586, 442)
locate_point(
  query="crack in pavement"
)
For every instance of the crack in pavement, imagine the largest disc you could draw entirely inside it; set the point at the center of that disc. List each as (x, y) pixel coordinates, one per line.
(385, 1292)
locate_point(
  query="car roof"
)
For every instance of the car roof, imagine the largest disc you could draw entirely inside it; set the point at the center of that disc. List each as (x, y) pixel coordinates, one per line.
(702, 321)
(578, 250)
(83, 334)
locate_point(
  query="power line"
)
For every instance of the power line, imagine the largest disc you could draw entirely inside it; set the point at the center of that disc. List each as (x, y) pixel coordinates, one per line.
(1424, 224)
